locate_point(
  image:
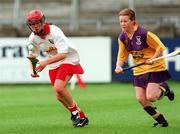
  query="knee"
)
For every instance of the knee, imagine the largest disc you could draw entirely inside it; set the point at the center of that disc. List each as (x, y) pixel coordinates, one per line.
(58, 89)
(151, 98)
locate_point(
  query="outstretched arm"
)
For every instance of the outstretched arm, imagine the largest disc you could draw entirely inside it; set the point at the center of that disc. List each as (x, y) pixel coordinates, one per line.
(121, 58)
(56, 58)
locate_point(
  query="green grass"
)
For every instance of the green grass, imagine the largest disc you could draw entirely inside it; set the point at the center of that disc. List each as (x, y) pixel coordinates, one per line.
(111, 108)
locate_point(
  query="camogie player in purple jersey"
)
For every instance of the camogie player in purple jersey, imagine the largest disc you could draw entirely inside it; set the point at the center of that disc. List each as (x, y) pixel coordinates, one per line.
(149, 79)
(62, 61)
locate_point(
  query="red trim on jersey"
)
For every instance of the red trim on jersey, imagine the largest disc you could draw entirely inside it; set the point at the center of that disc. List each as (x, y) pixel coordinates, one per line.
(64, 70)
(46, 31)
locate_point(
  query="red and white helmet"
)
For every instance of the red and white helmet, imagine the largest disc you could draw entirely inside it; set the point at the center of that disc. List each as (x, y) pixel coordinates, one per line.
(35, 16)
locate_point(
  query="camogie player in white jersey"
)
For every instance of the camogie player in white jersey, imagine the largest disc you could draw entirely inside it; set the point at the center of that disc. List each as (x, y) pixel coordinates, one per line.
(62, 61)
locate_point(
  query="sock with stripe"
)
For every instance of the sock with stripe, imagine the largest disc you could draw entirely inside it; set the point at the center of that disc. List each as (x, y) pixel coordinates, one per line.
(155, 114)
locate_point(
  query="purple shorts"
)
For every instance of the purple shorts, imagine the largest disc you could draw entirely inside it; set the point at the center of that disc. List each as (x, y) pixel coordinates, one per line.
(152, 77)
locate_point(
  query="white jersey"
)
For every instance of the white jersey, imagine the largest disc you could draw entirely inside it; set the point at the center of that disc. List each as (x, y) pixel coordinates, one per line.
(55, 42)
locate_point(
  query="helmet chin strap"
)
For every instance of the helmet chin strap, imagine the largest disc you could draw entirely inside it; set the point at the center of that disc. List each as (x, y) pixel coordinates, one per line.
(38, 33)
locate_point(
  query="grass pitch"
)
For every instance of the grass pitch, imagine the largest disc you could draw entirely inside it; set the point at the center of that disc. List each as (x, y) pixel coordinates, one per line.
(111, 108)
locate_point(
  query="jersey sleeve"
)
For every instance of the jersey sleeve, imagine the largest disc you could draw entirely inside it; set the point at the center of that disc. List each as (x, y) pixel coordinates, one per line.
(154, 42)
(32, 48)
(60, 40)
(122, 53)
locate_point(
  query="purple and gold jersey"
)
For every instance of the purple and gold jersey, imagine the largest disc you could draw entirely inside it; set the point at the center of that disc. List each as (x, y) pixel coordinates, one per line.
(141, 46)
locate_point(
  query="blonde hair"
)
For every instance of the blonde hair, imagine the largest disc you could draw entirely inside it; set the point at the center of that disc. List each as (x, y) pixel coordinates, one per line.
(128, 12)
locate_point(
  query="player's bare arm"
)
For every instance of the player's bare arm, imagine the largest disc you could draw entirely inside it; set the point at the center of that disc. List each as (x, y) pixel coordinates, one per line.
(56, 58)
(119, 69)
(156, 55)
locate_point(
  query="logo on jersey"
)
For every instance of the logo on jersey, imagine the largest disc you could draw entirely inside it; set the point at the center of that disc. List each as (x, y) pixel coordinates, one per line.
(137, 54)
(138, 40)
(51, 49)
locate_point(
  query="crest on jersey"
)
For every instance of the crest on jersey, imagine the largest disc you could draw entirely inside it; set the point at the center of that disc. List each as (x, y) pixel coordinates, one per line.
(138, 40)
(51, 41)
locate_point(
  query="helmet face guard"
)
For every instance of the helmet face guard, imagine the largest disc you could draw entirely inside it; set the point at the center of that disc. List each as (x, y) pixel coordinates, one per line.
(33, 17)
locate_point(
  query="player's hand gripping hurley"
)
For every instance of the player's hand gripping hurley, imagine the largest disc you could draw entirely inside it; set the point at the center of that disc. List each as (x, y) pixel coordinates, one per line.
(33, 64)
(175, 53)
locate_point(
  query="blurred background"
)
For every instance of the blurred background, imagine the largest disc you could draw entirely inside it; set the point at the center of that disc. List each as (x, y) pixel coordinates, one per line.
(92, 25)
(91, 17)
(28, 106)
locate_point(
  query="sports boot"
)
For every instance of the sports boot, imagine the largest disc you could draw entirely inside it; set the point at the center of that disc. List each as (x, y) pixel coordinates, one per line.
(79, 119)
(163, 124)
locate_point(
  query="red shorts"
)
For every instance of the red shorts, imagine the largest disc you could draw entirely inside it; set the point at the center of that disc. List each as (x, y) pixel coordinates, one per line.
(64, 70)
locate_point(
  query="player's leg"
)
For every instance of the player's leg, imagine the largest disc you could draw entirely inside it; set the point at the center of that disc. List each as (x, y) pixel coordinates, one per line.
(62, 93)
(149, 107)
(140, 83)
(161, 78)
(153, 92)
(166, 91)
(61, 85)
(59, 78)
(142, 94)
(52, 76)
(77, 116)
(141, 97)
(158, 91)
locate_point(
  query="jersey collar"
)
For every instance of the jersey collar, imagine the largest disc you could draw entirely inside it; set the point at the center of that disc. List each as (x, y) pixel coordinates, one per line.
(46, 31)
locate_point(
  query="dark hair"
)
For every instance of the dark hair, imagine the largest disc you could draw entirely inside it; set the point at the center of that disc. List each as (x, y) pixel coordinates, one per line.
(128, 12)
